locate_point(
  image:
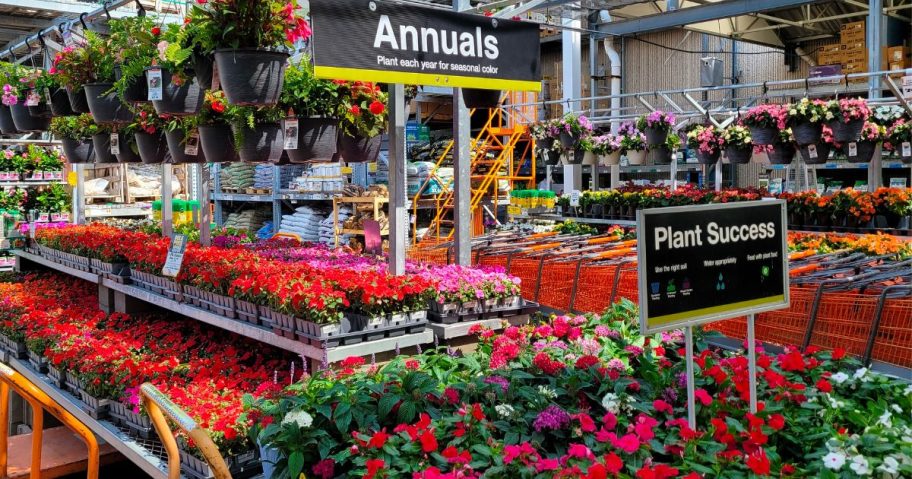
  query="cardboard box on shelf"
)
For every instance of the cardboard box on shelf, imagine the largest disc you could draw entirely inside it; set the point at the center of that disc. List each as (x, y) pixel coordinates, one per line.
(853, 26)
(859, 46)
(829, 58)
(832, 48)
(856, 57)
(851, 36)
(896, 54)
(855, 68)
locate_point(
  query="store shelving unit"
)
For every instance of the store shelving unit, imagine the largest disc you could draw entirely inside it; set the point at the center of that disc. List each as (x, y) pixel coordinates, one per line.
(375, 201)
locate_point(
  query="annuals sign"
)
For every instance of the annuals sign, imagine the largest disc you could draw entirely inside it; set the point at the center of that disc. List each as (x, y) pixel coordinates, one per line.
(392, 43)
(705, 263)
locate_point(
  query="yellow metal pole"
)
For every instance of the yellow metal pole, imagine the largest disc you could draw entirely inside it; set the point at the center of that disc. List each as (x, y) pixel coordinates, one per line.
(167, 439)
(37, 437)
(4, 426)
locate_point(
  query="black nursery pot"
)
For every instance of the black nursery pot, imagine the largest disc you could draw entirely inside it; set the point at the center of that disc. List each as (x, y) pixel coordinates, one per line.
(819, 156)
(782, 153)
(106, 107)
(478, 98)
(184, 99)
(152, 147)
(7, 125)
(316, 140)
(359, 149)
(102, 144)
(78, 101)
(660, 155)
(24, 120)
(260, 144)
(251, 76)
(77, 151)
(60, 103)
(202, 69)
(42, 109)
(128, 152)
(705, 158)
(864, 151)
(137, 91)
(217, 143)
(177, 147)
(739, 156)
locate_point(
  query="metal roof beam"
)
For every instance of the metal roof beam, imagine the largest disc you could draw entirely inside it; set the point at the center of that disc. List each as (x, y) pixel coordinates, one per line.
(702, 13)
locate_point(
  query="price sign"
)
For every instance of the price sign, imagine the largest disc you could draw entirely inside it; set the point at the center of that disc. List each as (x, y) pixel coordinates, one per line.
(154, 81)
(574, 198)
(191, 146)
(373, 243)
(291, 133)
(812, 151)
(853, 149)
(897, 182)
(115, 143)
(175, 256)
(906, 149)
(514, 210)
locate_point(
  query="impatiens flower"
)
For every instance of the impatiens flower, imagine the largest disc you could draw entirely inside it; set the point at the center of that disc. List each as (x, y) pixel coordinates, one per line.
(776, 421)
(373, 467)
(860, 465)
(703, 396)
(378, 440)
(325, 469)
(758, 462)
(662, 406)
(428, 441)
(824, 386)
(613, 463)
(834, 460)
(839, 377)
(377, 107)
(628, 443)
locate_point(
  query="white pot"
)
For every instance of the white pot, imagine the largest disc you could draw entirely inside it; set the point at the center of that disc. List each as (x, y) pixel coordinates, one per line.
(610, 159)
(589, 158)
(636, 157)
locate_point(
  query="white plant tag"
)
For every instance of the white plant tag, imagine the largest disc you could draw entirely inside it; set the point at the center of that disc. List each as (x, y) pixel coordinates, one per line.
(906, 149)
(115, 143)
(154, 80)
(812, 151)
(291, 133)
(47, 95)
(853, 149)
(215, 76)
(32, 100)
(191, 144)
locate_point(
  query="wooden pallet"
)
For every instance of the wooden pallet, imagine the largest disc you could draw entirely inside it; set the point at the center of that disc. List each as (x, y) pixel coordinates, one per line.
(258, 191)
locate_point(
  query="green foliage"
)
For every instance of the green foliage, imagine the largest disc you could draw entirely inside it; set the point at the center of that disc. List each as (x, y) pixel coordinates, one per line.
(305, 95)
(91, 62)
(54, 199)
(80, 127)
(571, 227)
(133, 44)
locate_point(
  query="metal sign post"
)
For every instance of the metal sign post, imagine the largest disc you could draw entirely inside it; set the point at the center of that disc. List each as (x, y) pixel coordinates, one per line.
(398, 214)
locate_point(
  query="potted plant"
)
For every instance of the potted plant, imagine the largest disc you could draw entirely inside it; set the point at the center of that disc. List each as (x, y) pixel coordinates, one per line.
(81, 65)
(75, 132)
(257, 132)
(661, 154)
(56, 102)
(134, 42)
(20, 95)
(181, 94)
(53, 199)
(707, 142)
(32, 87)
(182, 137)
(656, 125)
(819, 152)
(479, 98)
(363, 118)
(571, 128)
(148, 128)
(633, 144)
(862, 151)
(607, 148)
(127, 150)
(765, 122)
(250, 39)
(806, 120)
(585, 153)
(315, 103)
(900, 138)
(101, 95)
(101, 140)
(10, 73)
(886, 115)
(782, 151)
(216, 137)
(545, 133)
(846, 117)
(738, 144)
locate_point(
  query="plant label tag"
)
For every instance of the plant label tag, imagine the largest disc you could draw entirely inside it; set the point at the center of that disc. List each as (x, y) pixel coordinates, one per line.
(812, 151)
(574, 198)
(291, 133)
(48, 175)
(58, 175)
(55, 217)
(4, 176)
(47, 95)
(215, 76)
(154, 81)
(32, 227)
(44, 217)
(37, 176)
(115, 143)
(32, 100)
(897, 182)
(175, 256)
(65, 217)
(853, 149)
(191, 145)
(906, 149)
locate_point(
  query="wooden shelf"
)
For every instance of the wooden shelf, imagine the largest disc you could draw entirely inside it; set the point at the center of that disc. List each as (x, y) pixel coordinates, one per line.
(362, 199)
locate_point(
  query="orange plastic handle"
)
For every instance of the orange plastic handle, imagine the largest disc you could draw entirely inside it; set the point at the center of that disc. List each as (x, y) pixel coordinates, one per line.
(803, 269)
(615, 253)
(802, 254)
(603, 240)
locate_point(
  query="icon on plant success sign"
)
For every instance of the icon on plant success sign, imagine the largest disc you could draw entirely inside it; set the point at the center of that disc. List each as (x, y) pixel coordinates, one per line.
(655, 287)
(720, 285)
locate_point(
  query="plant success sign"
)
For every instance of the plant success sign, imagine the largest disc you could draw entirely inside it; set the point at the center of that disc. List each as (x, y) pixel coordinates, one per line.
(391, 43)
(706, 263)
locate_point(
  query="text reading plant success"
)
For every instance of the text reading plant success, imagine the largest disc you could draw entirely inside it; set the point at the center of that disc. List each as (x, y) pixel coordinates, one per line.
(698, 264)
(393, 43)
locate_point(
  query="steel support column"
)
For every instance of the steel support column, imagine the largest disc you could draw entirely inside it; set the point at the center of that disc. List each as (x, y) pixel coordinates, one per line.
(205, 216)
(398, 215)
(462, 163)
(876, 35)
(167, 195)
(571, 41)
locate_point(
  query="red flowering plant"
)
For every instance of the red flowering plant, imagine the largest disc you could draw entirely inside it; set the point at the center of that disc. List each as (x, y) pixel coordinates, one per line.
(148, 121)
(266, 24)
(213, 110)
(364, 112)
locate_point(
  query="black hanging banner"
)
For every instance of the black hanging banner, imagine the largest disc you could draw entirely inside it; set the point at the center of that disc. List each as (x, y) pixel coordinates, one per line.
(393, 43)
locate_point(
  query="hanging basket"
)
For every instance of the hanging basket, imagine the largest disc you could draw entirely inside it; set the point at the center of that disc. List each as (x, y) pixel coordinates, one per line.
(178, 148)
(42, 109)
(656, 136)
(184, 99)
(807, 133)
(78, 101)
(568, 140)
(152, 148)
(815, 154)
(316, 140)
(78, 151)
(708, 158)
(636, 157)
(739, 155)
(202, 69)
(137, 91)
(60, 103)
(764, 135)
(589, 158)
(102, 144)
(106, 107)
(478, 98)
(660, 155)
(251, 76)
(845, 132)
(864, 151)
(573, 157)
(610, 159)
(7, 125)
(128, 151)
(358, 149)
(25, 121)
(781, 154)
(260, 144)
(217, 143)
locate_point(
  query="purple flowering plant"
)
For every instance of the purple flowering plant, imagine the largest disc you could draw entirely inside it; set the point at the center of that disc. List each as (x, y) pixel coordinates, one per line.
(658, 119)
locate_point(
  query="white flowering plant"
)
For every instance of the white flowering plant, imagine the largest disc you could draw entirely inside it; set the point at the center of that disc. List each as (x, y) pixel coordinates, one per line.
(807, 110)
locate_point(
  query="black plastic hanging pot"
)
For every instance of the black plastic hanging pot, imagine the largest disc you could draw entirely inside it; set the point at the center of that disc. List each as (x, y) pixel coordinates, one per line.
(152, 147)
(807, 133)
(739, 155)
(707, 158)
(24, 120)
(217, 143)
(568, 140)
(816, 153)
(106, 108)
(478, 98)
(864, 151)
(316, 140)
(78, 101)
(178, 148)
(660, 155)
(202, 69)
(251, 76)
(358, 149)
(764, 135)
(184, 99)
(102, 144)
(845, 132)
(78, 151)
(782, 153)
(128, 152)
(137, 91)
(60, 103)
(42, 109)
(283, 160)
(656, 136)
(7, 125)
(259, 144)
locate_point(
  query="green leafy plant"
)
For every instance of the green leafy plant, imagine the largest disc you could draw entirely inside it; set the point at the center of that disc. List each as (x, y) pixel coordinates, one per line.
(133, 42)
(246, 24)
(80, 127)
(249, 117)
(53, 199)
(305, 95)
(673, 141)
(147, 121)
(88, 63)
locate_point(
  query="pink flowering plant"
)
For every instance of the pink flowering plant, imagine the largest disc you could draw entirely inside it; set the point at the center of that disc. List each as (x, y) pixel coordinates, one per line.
(577, 126)
(899, 133)
(632, 138)
(657, 119)
(275, 24)
(847, 110)
(873, 132)
(606, 144)
(706, 139)
(766, 116)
